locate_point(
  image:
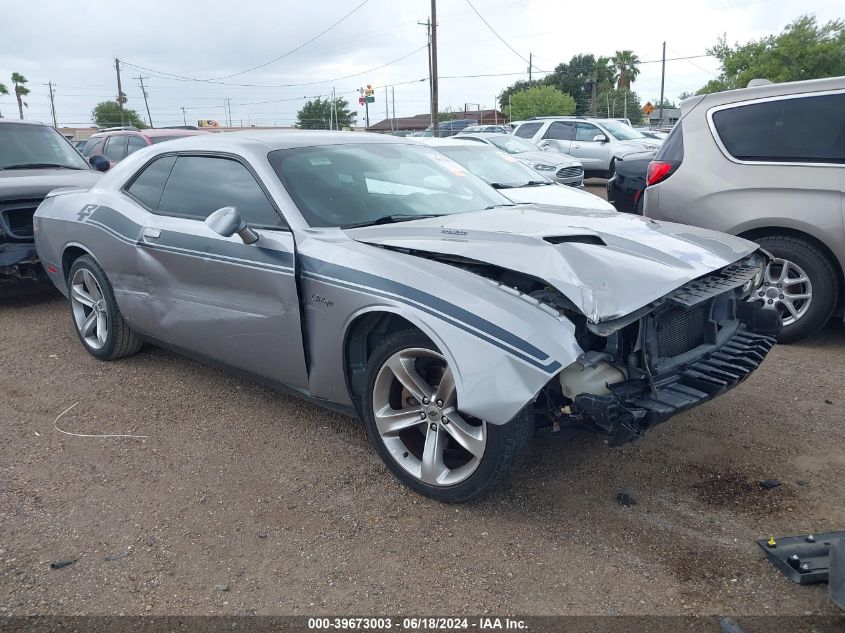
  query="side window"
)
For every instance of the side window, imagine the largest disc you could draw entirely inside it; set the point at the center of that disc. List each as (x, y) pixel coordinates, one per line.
(134, 143)
(528, 130)
(560, 131)
(199, 185)
(115, 147)
(800, 130)
(149, 185)
(586, 132)
(93, 146)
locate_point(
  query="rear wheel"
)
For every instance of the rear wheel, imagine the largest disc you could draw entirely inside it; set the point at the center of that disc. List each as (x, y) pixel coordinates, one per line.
(800, 283)
(95, 314)
(415, 423)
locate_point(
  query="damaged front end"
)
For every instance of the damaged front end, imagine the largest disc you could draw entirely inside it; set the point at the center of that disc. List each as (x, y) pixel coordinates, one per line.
(687, 347)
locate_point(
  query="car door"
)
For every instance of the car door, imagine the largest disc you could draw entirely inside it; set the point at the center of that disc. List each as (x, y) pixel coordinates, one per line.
(115, 148)
(558, 137)
(216, 296)
(595, 153)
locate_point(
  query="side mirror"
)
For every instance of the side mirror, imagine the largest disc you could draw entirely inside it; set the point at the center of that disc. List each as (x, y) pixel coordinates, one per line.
(228, 221)
(99, 162)
(600, 138)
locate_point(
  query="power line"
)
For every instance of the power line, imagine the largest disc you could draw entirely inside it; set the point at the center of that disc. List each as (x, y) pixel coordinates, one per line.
(160, 75)
(298, 48)
(492, 30)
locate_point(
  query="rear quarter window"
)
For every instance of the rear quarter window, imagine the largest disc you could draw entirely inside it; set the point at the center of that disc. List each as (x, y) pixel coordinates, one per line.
(672, 149)
(807, 129)
(528, 130)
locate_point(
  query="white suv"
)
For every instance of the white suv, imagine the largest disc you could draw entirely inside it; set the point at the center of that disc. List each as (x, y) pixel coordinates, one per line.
(595, 142)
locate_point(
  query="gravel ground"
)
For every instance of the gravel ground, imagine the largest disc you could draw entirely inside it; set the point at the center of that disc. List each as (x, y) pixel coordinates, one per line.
(244, 501)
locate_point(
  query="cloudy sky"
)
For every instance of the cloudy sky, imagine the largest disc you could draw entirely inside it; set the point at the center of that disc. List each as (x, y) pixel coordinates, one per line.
(175, 43)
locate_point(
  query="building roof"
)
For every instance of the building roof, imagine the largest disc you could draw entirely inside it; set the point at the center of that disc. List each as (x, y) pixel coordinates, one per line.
(416, 122)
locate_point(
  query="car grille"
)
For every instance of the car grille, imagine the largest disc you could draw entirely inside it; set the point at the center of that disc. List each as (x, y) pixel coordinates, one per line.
(16, 217)
(680, 330)
(569, 172)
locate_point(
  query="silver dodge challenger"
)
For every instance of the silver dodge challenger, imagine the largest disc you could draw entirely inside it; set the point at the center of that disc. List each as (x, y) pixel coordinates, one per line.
(379, 278)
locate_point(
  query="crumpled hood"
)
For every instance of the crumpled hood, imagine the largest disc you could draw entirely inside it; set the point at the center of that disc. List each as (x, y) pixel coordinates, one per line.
(608, 264)
(37, 183)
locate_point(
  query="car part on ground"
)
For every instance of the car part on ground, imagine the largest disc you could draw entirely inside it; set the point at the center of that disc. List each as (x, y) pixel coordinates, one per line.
(595, 142)
(803, 559)
(766, 163)
(511, 177)
(34, 159)
(625, 188)
(836, 574)
(365, 261)
(560, 167)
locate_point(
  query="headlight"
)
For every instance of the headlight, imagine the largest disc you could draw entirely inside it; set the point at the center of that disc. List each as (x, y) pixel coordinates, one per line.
(543, 167)
(756, 281)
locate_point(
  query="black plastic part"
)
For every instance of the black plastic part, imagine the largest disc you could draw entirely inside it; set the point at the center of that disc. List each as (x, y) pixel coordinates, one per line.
(763, 321)
(837, 573)
(813, 560)
(633, 407)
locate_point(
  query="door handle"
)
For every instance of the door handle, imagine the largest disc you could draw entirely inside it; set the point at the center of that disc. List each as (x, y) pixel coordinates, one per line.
(576, 147)
(151, 235)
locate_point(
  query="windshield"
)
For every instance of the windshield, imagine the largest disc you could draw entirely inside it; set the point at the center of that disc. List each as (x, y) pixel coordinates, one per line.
(621, 131)
(513, 144)
(24, 145)
(339, 185)
(493, 166)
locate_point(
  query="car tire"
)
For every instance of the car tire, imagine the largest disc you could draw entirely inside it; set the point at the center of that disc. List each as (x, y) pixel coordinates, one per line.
(423, 453)
(823, 285)
(95, 315)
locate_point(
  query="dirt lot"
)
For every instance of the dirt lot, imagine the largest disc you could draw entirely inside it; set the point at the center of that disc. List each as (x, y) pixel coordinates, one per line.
(243, 501)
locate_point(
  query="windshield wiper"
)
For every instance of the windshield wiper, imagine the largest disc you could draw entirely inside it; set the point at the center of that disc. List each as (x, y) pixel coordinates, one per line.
(38, 166)
(506, 204)
(537, 183)
(502, 185)
(391, 219)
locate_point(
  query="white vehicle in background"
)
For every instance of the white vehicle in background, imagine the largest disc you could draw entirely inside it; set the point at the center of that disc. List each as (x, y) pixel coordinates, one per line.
(512, 178)
(562, 168)
(595, 142)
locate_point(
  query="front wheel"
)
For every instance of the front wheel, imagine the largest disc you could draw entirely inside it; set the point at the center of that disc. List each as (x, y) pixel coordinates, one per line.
(413, 419)
(95, 314)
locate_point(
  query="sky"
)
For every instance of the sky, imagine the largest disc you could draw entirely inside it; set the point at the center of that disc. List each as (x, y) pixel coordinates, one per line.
(194, 54)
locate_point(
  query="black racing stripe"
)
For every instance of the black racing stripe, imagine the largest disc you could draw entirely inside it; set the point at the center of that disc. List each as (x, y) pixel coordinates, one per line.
(212, 257)
(117, 222)
(552, 367)
(320, 267)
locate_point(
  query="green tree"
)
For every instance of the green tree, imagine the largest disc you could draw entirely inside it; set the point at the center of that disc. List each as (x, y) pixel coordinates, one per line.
(626, 66)
(572, 78)
(107, 114)
(3, 91)
(20, 91)
(667, 103)
(540, 101)
(803, 50)
(620, 103)
(315, 115)
(685, 95)
(517, 86)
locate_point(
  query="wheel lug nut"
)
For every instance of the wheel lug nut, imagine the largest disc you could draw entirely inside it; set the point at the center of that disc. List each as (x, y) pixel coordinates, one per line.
(770, 301)
(439, 403)
(762, 293)
(780, 296)
(780, 285)
(445, 420)
(433, 426)
(422, 415)
(426, 400)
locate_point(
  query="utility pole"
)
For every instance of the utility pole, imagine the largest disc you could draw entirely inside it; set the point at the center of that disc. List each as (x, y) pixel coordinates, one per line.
(662, 80)
(435, 110)
(393, 98)
(184, 118)
(427, 25)
(530, 65)
(229, 110)
(387, 109)
(146, 103)
(53, 105)
(121, 98)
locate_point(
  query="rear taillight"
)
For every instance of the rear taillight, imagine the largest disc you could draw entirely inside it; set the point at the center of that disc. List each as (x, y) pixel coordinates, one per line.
(658, 171)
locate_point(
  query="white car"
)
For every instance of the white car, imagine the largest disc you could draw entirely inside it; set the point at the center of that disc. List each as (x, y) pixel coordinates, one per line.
(511, 177)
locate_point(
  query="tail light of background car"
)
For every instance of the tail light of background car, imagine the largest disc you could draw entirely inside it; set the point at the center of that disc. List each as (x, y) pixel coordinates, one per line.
(659, 170)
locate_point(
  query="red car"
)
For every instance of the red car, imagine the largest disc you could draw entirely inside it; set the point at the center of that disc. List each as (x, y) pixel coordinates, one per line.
(115, 144)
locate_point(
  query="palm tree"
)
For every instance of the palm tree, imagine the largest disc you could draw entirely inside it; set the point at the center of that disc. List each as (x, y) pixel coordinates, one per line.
(3, 91)
(626, 66)
(20, 91)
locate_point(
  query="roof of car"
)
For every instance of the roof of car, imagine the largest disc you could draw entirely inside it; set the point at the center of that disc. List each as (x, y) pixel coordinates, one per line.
(446, 142)
(282, 139)
(20, 122)
(151, 132)
(765, 90)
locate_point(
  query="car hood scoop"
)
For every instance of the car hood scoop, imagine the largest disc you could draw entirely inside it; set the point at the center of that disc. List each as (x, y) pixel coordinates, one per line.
(608, 264)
